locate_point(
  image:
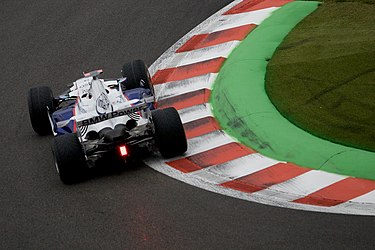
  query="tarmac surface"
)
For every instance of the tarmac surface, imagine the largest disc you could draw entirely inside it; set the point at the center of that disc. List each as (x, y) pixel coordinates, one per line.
(51, 43)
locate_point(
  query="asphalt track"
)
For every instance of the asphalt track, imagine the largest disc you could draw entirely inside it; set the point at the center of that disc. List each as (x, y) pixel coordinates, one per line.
(52, 43)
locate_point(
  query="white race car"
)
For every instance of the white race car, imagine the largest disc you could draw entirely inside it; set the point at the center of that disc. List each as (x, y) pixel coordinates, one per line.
(97, 117)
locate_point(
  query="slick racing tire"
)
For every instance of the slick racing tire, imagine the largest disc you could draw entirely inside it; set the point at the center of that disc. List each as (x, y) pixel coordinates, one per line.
(169, 135)
(40, 101)
(137, 75)
(70, 160)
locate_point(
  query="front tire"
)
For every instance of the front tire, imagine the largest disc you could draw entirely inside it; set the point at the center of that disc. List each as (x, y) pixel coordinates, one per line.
(169, 135)
(137, 75)
(40, 102)
(69, 158)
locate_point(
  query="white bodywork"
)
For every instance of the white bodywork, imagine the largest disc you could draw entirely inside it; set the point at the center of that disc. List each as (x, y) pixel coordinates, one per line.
(100, 99)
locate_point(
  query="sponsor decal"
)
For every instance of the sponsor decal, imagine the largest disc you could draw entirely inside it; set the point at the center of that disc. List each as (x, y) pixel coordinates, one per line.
(83, 130)
(134, 116)
(103, 104)
(119, 99)
(111, 115)
(83, 87)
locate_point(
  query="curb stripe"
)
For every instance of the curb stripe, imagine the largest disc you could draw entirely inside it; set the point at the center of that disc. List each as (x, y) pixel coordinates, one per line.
(252, 5)
(184, 165)
(186, 100)
(185, 86)
(200, 127)
(303, 185)
(215, 38)
(188, 71)
(206, 142)
(203, 54)
(339, 192)
(234, 169)
(362, 205)
(276, 174)
(232, 21)
(195, 112)
(363, 199)
(212, 161)
(211, 157)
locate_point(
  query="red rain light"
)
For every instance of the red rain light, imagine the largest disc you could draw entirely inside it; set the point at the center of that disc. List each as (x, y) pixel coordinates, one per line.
(123, 151)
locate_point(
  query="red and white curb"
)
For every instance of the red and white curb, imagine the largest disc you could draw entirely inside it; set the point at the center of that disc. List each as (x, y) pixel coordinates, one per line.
(183, 78)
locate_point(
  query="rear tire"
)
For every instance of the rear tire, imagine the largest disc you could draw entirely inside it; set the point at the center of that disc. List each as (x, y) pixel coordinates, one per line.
(170, 135)
(40, 101)
(69, 158)
(137, 75)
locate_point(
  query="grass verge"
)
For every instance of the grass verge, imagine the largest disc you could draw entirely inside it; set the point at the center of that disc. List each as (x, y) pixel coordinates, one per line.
(322, 77)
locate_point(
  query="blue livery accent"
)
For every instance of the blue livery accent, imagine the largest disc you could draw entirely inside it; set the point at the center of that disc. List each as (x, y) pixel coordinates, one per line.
(66, 113)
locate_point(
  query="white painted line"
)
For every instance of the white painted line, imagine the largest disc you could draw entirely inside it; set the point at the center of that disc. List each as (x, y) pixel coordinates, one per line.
(363, 202)
(236, 20)
(206, 142)
(195, 113)
(366, 198)
(302, 185)
(234, 169)
(203, 54)
(170, 89)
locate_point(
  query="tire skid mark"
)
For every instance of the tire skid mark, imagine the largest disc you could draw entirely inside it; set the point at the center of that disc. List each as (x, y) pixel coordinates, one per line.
(200, 127)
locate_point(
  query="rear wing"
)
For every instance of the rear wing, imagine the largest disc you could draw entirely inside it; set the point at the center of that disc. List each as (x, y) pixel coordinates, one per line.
(93, 120)
(117, 113)
(93, 74)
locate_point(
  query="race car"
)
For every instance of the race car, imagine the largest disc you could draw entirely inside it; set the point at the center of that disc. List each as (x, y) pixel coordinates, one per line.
(97, 117)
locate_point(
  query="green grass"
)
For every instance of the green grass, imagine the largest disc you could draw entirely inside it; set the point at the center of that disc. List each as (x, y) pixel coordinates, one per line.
(322, 77)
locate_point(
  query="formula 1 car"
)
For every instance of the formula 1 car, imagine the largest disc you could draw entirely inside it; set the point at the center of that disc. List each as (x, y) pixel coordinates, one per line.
(97, 117)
